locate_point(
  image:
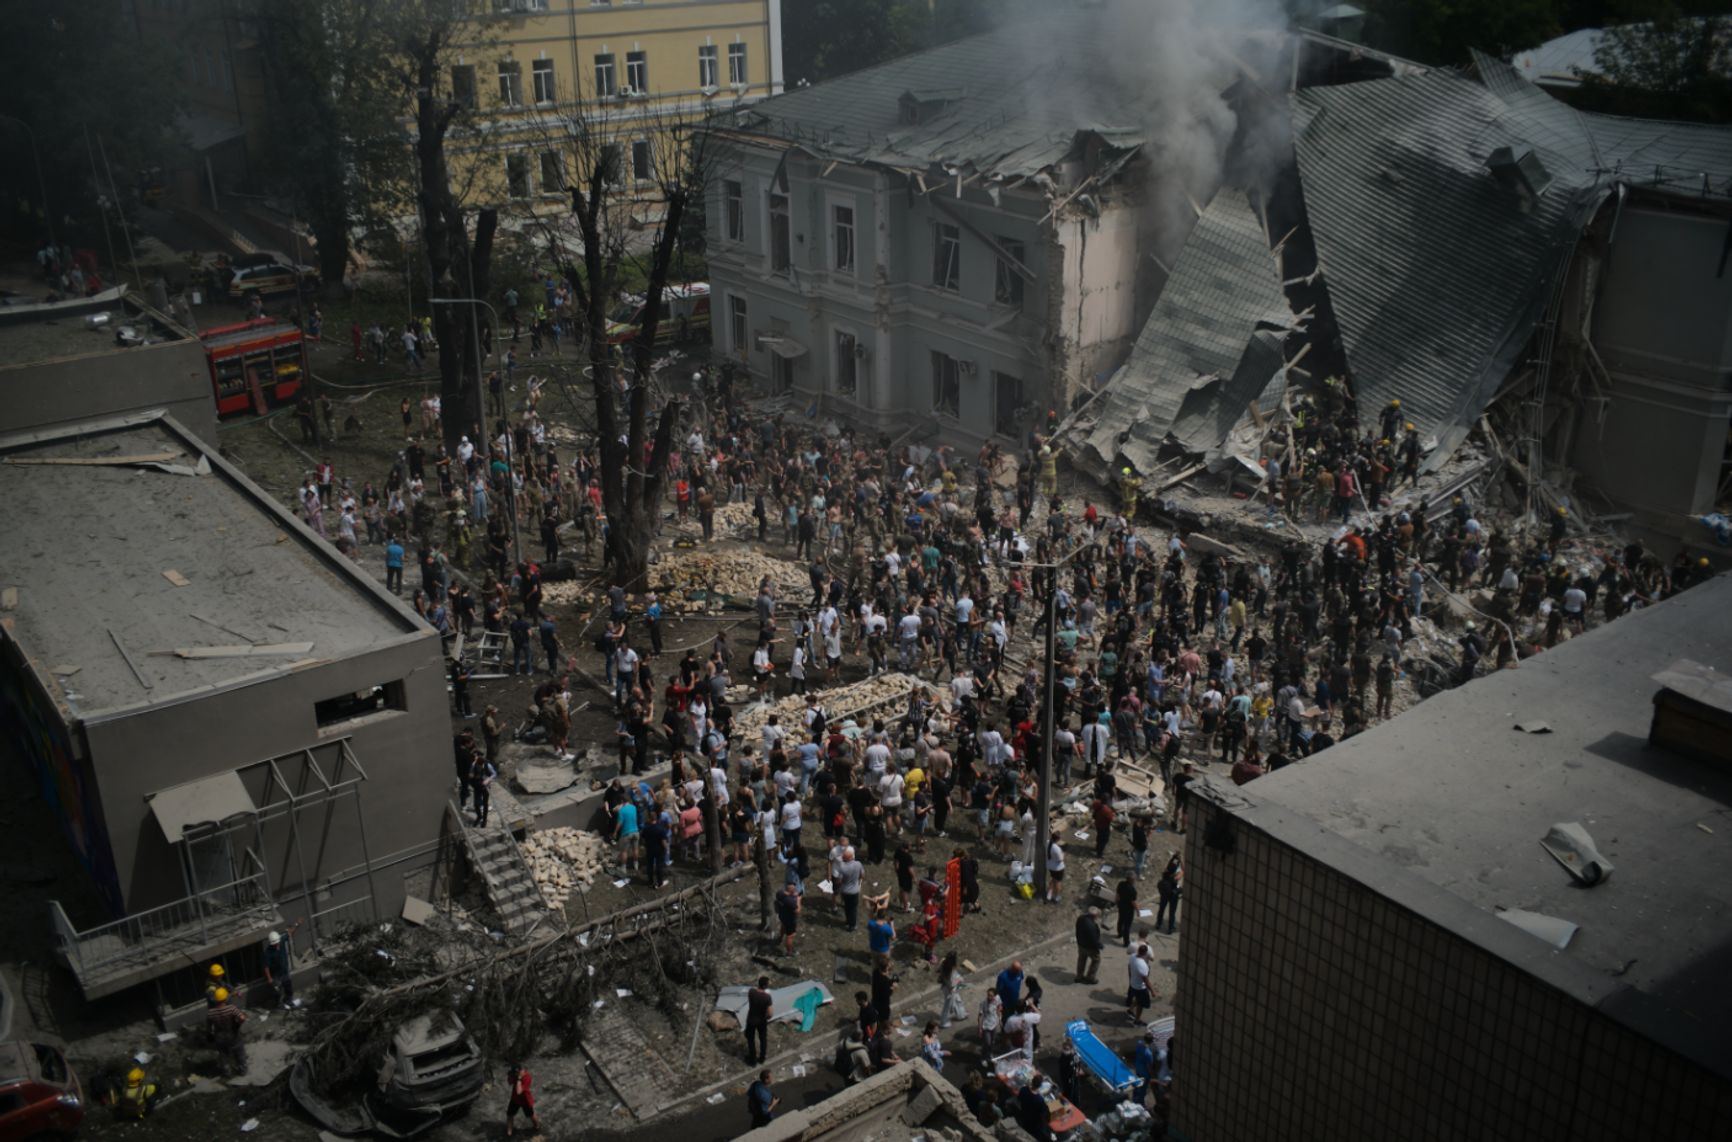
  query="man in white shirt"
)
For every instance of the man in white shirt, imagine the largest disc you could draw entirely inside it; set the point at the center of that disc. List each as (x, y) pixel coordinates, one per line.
(1094, 740)
(1055, 869)
(877, 759)
(890, 796)
(773, 734)
(1140, 997)
(962, 688)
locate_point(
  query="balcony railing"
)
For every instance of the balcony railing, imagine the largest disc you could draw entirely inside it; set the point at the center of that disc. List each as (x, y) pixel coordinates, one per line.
(144, 945)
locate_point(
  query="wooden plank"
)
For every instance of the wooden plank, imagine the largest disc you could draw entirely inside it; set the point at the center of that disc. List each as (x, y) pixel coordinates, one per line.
(259, 650)
(96, 462)
(176, 577)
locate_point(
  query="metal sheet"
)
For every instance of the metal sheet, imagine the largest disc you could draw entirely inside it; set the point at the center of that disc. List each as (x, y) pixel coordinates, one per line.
(209, 800)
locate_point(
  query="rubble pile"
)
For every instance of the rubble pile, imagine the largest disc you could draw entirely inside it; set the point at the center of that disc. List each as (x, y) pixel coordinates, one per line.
(567, 591)
(841, 702)
(563, 861)
(731, 519)
(734, 573)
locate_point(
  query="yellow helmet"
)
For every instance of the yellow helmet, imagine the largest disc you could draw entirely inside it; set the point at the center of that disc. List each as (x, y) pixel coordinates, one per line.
(135, 1075)
(1410, 426)
(1702, 562)
(222, 995)
(216, 971)
(1395, 403)
(1127, 471)
(1563, 511)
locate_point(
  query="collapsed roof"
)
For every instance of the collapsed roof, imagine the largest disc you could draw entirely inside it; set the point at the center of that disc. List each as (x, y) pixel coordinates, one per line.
(1213, 344)
(1444, 209)
(991, 106)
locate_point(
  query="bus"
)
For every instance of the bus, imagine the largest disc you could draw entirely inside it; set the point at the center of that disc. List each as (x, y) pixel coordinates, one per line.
(255, 365)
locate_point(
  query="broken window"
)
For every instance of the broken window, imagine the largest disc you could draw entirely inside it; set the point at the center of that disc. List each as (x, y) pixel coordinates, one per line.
(552, 172)
(360, 703)
(517, 174)
(738, 333)
(510, 83)
(1007, 286)
(842, 247)
(781, 239)
(463, 86)
(734, 210)
(946, 384)
(1006, 401)
(947, 256)
(847, 363)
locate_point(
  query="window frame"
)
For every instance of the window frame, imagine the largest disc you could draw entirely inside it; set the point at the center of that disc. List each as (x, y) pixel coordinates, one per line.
(518, 157)
(733, 210)
(844, 358)
(946, 377)
(468, 100)
(780, 247)
(510, 76)
(947, 270)
(540, 75)
(640, 148)
(709, 68)
(739, 324)
(637, 71)
(999, 380)
(606, 75)
(556, 185)
(1008, 286)
(740, 76)
(612, 157)
(839, 263)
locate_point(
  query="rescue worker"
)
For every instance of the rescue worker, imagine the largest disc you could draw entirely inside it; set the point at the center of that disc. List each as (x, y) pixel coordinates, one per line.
(1048, 471)
(214, 983)
(1129, 485)
(223, 1022)
(1390, 419)
(138, 1097)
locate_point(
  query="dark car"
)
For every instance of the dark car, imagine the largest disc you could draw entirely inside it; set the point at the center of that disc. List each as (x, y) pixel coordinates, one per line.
(39, 1093)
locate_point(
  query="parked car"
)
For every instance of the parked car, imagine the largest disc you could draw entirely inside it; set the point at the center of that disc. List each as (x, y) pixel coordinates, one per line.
(685, 315)
(431, 1070)
(265, 272)
(39, 1092)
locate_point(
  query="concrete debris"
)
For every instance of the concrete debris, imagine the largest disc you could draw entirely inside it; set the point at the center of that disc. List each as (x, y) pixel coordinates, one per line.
(563, 861)
(1571, 846)
(840, 703)
(735, 574)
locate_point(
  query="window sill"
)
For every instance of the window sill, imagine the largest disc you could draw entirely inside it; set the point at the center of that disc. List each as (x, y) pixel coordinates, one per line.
(349, 725)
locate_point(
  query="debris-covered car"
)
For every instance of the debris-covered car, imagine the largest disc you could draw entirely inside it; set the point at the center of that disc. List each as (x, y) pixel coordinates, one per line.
(39, 1092)
(432, 1068)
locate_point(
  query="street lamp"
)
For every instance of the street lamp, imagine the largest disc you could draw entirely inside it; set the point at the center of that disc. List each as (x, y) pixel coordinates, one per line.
(41, 183)
(1043, 811)
(480, 379)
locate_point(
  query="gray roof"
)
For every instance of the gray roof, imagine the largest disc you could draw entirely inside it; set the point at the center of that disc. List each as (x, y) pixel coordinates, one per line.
(1451, 796)
(1009, 108)
(87, 546)
(1199, 359)
(1436, 273)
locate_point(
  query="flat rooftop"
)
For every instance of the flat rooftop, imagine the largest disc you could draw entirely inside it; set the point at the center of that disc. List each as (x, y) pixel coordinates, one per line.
(87, 547)
(1453, 793)
(48, 333)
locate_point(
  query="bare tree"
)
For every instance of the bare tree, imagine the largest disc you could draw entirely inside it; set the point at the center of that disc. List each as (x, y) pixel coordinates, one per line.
(628, 210)
(459, 262)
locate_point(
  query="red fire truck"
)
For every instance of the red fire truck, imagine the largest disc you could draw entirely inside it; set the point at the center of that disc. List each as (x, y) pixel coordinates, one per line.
(255, 365)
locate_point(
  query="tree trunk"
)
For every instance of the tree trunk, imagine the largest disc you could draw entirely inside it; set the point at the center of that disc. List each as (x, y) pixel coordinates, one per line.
(713, 833)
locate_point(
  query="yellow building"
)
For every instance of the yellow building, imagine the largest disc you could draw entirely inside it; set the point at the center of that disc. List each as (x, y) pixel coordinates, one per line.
(631, 68)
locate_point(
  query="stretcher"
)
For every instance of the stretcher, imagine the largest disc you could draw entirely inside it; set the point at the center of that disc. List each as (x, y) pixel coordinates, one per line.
(1099, 1060)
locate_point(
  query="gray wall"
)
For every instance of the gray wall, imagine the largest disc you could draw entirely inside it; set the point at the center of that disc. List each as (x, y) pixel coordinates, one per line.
(1664, 308)
(1312, 1005)
(170, 375)
(407, 756)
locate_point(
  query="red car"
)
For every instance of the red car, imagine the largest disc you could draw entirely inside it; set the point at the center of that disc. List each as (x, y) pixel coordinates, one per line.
(39, 1093)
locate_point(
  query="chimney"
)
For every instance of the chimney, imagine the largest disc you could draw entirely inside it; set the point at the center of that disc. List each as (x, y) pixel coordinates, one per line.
(1693, 712)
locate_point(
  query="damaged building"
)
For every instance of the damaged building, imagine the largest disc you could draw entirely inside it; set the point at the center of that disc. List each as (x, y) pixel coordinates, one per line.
(936, 240)
(1462, 243)
(1504, 914)
(233, 725)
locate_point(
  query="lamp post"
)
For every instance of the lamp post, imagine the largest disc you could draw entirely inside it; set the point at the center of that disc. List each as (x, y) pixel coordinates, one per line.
(1043, 811)
(480, 379)
(41, 183)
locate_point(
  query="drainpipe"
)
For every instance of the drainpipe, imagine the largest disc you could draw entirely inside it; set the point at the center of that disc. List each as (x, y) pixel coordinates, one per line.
(881, 339)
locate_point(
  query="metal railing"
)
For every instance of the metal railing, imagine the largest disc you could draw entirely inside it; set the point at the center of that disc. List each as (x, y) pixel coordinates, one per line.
(162, 931)
(329, 923)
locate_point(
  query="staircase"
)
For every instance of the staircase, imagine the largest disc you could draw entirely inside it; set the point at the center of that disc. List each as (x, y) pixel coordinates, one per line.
(505, 875)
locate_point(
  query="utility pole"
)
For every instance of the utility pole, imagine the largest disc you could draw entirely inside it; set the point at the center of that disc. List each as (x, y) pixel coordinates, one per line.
(41, 183)
(1043, 810)
(481, 379)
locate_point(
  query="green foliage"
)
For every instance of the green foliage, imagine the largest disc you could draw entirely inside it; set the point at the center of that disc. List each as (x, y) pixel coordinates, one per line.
(1444, 32)
(1674, 62)
(65, 68)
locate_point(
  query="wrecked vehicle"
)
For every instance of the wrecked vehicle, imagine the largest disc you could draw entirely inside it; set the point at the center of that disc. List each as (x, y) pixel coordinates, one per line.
(431, 1069)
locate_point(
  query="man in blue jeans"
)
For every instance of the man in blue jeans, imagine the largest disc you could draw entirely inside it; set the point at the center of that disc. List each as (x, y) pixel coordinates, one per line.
(522, 660)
